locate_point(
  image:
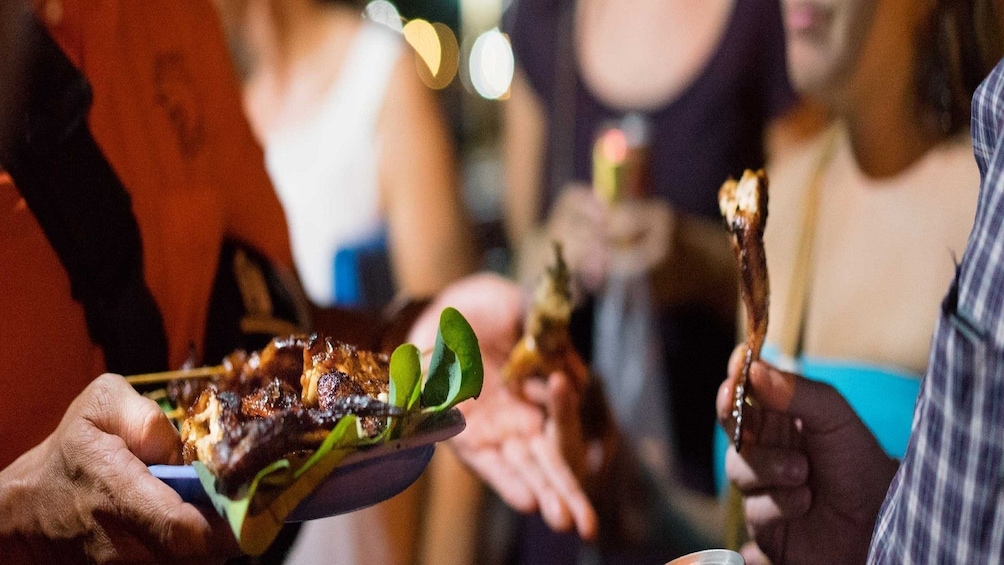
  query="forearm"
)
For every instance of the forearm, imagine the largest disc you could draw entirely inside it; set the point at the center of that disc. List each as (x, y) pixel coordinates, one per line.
(22, 539)
(14, 544)
(700, 268)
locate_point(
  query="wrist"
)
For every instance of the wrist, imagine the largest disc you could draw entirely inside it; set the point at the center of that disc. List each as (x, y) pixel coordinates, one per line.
(17, 499)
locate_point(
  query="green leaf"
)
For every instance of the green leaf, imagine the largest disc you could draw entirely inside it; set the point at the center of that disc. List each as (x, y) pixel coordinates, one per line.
(455, 371)
(257, 516)
(405, 376)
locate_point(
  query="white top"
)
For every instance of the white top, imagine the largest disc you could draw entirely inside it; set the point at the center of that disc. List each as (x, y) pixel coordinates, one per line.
(325, 167)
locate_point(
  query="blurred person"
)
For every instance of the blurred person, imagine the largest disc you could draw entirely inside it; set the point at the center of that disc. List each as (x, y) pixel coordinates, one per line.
(706, 82)
(816, 468)
(361, 159)
(350, 132)
(123, 130)
(864, 225)
(866, 218)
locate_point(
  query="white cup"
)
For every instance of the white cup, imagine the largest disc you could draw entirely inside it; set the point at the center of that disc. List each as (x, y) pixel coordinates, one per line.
(710, 557)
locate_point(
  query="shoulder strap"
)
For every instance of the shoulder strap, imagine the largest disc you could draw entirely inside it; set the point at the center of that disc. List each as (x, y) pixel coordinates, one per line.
(79, 202)
(796, 306)
(366, 75)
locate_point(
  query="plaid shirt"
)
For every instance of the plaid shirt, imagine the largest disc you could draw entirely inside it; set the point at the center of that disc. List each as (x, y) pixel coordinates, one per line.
(946, 504)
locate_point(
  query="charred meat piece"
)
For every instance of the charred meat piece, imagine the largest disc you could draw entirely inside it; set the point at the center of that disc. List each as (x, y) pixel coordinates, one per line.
(326, 356)
(241, 372)
(277, 396)
(257, 412)
(283, 359)
(213, 416)
(257, 442)
(338, 392)
(744, 206)
(332, 386)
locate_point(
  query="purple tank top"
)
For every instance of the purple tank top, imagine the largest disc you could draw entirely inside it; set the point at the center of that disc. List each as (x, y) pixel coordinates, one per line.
(712, 130)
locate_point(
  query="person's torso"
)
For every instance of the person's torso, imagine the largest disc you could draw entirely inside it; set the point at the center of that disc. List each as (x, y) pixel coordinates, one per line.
(711, 130)
(883, 252)
(325, 168)
(167, 117)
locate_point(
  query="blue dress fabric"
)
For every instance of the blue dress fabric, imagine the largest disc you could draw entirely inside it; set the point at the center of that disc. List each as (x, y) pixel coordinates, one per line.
(883, 397)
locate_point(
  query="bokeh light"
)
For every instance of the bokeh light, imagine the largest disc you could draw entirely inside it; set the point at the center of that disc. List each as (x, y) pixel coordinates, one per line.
(449, 58)
(614, 145)
(383, 12)
(491, 64)
(425, 41)
(437, 53)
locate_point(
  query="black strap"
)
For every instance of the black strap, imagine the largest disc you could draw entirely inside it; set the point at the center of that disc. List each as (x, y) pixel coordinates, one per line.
(79, 202)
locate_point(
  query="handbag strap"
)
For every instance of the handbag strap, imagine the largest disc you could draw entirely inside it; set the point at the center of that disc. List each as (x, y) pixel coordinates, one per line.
(78, 200)
(797, 301)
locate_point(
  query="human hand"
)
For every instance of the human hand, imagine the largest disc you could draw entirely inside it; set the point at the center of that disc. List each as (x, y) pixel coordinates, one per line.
(532, 455)
(638, 234)
(85, 493)
(578, 221)
(532, 458)
(810, 470)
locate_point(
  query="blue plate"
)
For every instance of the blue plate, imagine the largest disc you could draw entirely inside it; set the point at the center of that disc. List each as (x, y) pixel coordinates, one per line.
(364, 478)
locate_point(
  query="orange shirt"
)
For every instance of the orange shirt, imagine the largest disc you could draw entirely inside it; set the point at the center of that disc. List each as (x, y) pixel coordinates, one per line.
(167, 115)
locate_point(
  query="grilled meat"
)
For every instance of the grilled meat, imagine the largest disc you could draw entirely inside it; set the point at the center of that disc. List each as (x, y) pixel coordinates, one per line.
(323, 356)
(744, 206)
(257, 413)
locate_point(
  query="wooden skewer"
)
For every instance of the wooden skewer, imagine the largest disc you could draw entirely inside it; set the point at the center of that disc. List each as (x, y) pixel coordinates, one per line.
(197, 373)
(176, 414)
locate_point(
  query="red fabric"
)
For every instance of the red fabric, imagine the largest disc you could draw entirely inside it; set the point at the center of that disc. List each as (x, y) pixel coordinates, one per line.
(167, 116)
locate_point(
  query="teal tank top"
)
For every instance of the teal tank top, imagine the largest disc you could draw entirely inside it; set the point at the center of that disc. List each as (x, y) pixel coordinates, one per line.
(883, 397)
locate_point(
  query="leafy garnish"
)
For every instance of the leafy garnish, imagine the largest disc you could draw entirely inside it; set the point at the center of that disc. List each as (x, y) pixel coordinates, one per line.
(405, 376)
(455, 374)
(455, 371)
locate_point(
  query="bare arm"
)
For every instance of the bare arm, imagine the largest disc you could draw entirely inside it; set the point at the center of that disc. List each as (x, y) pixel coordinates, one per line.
(524, 140)
(431, 240)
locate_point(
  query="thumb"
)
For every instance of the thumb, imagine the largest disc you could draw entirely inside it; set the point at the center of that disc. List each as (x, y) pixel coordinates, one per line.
(818, 405)
(114, 407)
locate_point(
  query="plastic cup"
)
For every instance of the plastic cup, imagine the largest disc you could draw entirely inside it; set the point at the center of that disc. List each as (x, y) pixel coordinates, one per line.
(710, 557)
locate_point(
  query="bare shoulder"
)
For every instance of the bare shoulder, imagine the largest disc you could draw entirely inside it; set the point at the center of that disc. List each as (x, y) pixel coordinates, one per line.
(955, 183)
(955, 161)
(791, 174)
(409, 103)
(347, 19)
(962, 181)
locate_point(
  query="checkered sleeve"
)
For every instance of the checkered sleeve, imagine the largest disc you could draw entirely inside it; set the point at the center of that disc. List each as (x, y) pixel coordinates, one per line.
(946, 503)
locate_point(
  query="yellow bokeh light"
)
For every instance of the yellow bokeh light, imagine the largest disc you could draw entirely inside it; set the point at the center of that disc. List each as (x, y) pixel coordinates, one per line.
(449, 58)
(425, 41)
